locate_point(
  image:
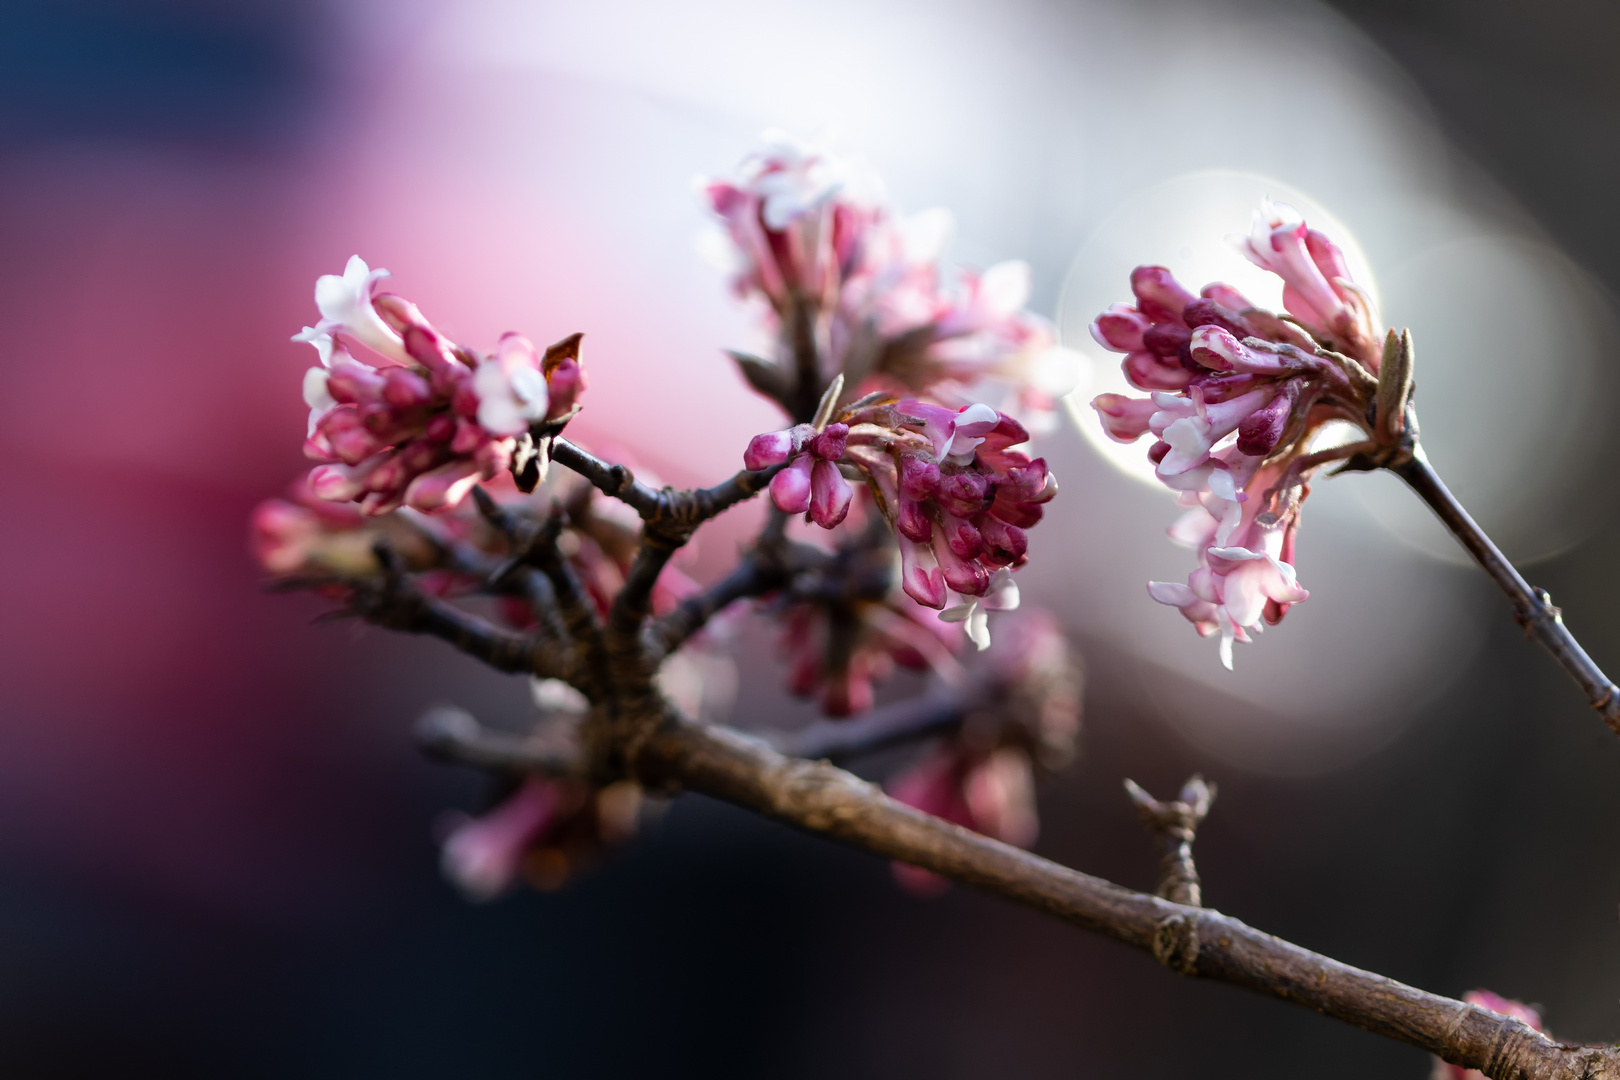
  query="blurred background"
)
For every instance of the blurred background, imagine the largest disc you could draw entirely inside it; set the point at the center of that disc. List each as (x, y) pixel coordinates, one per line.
(216, 840)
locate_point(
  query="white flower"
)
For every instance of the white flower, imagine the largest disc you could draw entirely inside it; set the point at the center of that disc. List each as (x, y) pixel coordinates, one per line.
(511, 390)
(320, 339)
(1002, 595)
(345, 305)
(317, 396)
(970, 426)
(795, 178)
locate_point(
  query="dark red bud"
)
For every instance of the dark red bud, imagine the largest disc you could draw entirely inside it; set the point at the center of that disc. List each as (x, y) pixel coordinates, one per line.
(1260, 430)
(918, 477)
(1004, 545)
(1206, 312)
(1159, 295)
(1166, 338)
(963, 494)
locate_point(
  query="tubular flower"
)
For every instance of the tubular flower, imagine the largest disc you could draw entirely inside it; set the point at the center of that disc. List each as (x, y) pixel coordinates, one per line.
(904, 326)
(547, 830)
(1236, 396)
(958, 497)
(306, 534)
(973, 611)
(861, 289)
(1317, 289)
(427, 420)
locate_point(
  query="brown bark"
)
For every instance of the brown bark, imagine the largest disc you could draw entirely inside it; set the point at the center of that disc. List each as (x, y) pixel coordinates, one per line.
(1532, 607)
(822, 799)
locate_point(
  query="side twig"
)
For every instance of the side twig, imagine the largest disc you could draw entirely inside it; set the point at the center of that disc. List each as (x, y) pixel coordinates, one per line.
(921, 717)
(675, 512)
(1532, 607)
(394, 601)
(450, 734)
(1175, 826)
(754, 576)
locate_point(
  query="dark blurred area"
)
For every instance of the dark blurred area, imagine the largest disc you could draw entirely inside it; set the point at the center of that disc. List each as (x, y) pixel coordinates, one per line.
(216, 841)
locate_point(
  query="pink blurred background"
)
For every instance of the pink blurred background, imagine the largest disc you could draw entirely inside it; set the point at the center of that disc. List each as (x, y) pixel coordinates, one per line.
(216, 846)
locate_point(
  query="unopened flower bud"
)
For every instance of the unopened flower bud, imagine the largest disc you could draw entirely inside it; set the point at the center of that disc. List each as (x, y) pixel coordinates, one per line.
(1158, 294)
(790, 488)
(830, 443)
(1149, 371)
(771, 448)
(830, 494)
(1120, 328)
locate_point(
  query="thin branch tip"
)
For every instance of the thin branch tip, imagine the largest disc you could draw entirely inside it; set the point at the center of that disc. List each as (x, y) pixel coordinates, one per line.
(1174, 826)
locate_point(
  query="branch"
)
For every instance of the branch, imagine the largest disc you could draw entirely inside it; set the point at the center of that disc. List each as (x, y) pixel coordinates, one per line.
(614, 480)
(453, 735)
(1175, 826)
(773, 563)
(1532, 607)
(755, 575)
(673, 511)
(921, 717)
(799, 333)
(822, 799)
(534, 543)
(825, 800)
(395, 602)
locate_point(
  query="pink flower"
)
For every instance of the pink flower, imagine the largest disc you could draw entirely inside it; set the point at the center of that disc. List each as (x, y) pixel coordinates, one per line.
(840, 651)
(958, 497)
(972, 612)
(1316, 284)
(808, 234)
(346, 307)
(545, 831)
(796, 227)
(511, 390)
(431, 421)
(484, 855)
(1236, 396)
(305, 534)
(1245, 551)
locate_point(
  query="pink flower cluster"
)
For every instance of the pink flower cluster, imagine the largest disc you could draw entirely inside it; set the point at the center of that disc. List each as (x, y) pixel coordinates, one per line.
(959, 498)
(811, 235)
(798, 225)
(304, 533)
(426, 419)
(1236, 395)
